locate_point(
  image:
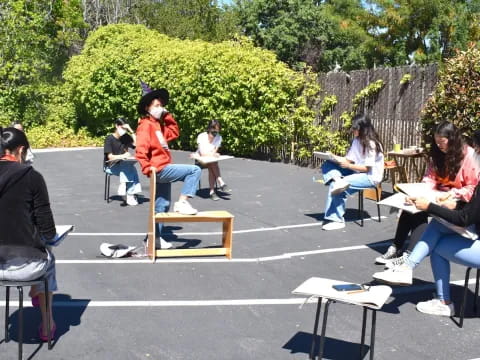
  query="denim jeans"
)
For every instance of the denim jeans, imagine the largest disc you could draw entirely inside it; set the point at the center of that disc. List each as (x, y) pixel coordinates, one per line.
(189, 174)
(128, 174)
(444, 245)
(335, 206)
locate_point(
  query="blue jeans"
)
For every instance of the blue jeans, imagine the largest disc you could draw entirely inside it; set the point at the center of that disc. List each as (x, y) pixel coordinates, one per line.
(189, 174)
(444, 245)
(128, 175)
(335, 206)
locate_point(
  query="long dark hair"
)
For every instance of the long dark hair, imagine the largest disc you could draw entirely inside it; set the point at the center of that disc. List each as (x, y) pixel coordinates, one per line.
(11, 139)
(213, 124)
(366, 133)
(447, 164)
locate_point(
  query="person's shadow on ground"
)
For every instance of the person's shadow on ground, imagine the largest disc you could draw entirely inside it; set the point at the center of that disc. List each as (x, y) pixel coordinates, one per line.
(67, 312)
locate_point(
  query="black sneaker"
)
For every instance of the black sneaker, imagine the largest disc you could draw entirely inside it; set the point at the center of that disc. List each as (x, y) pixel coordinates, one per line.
(224, 188)
(214, 197)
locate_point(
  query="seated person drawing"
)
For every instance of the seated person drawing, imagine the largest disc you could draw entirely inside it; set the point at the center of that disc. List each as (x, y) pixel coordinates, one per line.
(361, 168)
(444, 245)
(156, 129)
(115, 150)
(452, 168)
(26, 223)
(208, 145)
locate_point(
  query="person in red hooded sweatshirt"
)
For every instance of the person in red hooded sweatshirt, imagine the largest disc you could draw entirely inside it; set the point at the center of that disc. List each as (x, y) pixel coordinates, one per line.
(155, 129)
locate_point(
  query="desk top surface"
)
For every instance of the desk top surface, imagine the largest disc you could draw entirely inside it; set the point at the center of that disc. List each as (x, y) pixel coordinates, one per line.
(407, 153)
(373, 298)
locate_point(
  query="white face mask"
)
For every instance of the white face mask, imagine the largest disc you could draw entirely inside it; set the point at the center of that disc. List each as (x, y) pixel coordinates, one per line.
(121, 131)
(157, 112)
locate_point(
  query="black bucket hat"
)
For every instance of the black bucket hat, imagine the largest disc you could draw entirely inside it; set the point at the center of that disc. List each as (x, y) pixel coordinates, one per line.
(148, 95)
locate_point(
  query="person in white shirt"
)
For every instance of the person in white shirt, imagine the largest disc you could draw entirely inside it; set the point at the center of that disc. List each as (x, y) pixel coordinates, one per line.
(208, 144)
(361, 168)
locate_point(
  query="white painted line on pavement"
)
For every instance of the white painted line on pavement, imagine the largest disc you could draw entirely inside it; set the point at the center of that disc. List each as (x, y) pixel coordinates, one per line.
(226, 302)
(217, 260)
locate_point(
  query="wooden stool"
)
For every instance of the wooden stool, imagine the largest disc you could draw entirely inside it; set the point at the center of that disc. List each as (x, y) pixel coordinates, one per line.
(221, 216)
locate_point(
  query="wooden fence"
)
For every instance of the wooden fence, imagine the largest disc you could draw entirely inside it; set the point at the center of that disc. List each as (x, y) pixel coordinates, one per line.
(395, 110)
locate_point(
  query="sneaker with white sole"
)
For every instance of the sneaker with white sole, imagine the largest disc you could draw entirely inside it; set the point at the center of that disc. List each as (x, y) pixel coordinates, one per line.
(397, 275)
(162, 243)
(131, 200)
(436, 307)
(389, 254)
(397, 261)
(339, 186)
(334, 225)
(183, 207)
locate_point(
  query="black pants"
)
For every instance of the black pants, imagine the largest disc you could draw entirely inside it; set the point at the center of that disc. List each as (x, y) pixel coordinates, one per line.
(410, 223)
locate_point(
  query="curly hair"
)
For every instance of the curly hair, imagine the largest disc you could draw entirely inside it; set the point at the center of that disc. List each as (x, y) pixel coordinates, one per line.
(447, 164)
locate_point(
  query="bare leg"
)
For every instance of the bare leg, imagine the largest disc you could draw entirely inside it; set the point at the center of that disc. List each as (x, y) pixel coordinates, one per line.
(41, 299)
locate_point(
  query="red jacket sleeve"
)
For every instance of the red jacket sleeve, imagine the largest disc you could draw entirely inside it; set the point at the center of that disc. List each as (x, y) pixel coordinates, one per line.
(170, 128)
(143, 151)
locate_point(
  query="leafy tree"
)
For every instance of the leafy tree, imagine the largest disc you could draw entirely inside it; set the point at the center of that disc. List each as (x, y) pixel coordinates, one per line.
(420, 31)
(35, 38)
(321, 34)
(457, 95)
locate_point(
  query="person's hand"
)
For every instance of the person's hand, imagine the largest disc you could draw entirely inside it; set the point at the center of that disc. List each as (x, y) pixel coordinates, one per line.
(344, 163)
(421, 203)
(216, 154)
(409, 200)
(449, 204)
(128, 128)
(127, 155)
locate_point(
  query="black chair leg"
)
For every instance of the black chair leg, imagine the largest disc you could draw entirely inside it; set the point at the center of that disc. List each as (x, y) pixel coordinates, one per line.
(476, 291)
(20, 322)
(378, 206)
(464, 300)
(47, 312)
(7, 312)
(360, 206)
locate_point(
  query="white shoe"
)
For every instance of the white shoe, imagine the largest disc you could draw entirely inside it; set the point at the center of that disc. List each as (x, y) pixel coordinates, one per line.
(122, 189)
(389, 254)
(397, 261)
(339, 186)
(162, 243)
(397, 275)
(183, 207)
(334, 225)
(436, 307)
(131, 200)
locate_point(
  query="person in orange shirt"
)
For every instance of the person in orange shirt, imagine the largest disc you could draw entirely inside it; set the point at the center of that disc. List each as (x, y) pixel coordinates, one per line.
(155, 130)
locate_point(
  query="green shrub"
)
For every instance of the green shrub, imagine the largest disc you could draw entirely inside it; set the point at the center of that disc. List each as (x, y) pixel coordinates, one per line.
(457, 95)
(253, 95)
(59, 135)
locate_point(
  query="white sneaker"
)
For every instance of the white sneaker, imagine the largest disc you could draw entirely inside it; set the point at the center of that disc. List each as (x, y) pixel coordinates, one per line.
(397, 275)
(389, 254)
(122, 189)
(339, 186)
(131, 200)
(334, 225)
(162, 243)
(183, 207)
(397, 261)
(436, 307)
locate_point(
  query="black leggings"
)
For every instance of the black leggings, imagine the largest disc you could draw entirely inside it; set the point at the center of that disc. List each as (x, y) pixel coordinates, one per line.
(408, 222)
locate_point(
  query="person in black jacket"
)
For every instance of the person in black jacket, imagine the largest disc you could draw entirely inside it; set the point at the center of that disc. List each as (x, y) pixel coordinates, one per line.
(26, 222)
(443, 244)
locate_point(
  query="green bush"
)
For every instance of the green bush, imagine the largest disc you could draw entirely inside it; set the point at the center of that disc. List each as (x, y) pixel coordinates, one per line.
(255, 97)
(60, 135)
(457, 95)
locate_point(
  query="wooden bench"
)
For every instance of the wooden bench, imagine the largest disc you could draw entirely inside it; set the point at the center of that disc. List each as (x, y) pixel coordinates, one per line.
(203, 216)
